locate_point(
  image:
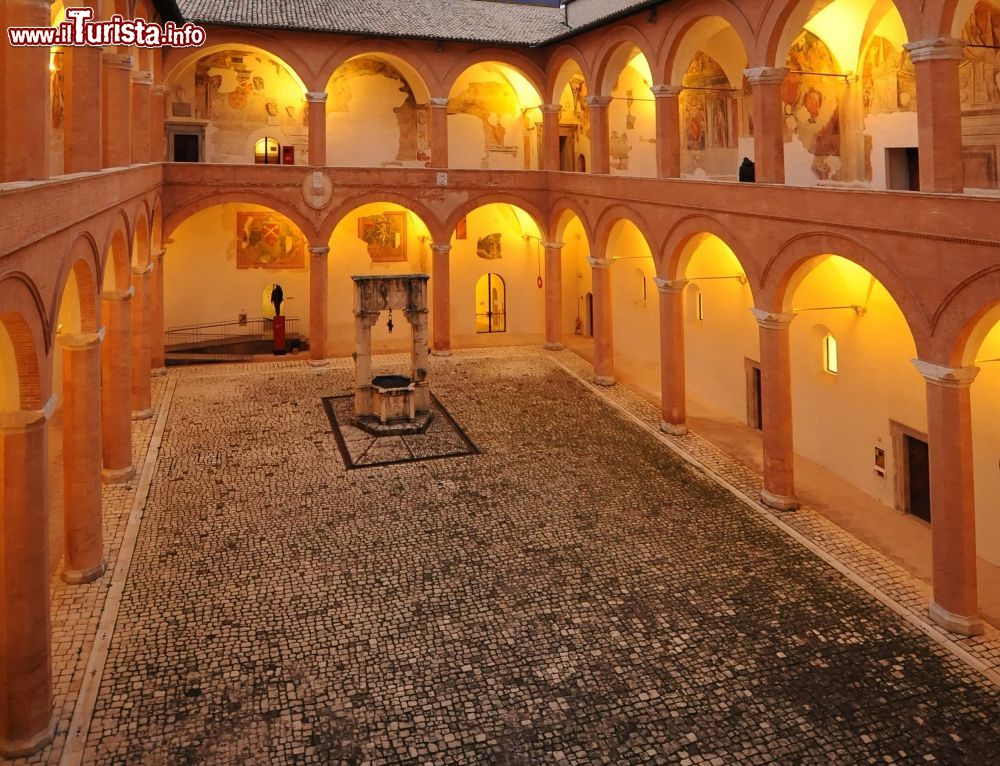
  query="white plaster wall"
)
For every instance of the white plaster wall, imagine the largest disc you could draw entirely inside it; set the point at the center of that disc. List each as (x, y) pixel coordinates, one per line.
(888, 131)
(985, 393)
(635, 305)
(202, 284)
(641, 138)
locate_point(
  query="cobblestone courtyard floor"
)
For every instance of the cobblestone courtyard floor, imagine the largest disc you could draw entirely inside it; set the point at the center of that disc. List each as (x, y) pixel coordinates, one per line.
(574, 594)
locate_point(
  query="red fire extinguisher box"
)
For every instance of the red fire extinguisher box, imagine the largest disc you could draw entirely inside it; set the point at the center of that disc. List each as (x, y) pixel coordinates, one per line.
(288, 155)
(279, 335)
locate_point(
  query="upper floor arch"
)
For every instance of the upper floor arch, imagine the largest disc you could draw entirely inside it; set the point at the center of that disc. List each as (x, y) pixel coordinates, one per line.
(616, 49)
(718, 27)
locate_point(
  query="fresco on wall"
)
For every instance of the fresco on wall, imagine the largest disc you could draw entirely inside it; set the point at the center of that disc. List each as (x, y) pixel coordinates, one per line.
(578, 103)
(979, 84)
(707, 105)
(385, 235)
(619, 147)
(414, 136)
(888, 79)
(489, 247)
(268, 241)
(811, 103)
(490, 102)
(57, 84)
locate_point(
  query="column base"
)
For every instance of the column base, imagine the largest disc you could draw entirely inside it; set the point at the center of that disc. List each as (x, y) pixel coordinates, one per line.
(440, 352)
(117, 475)
(674, 429)
(158, 372)
(779, 502)
(604, 380)
(319, 362)
(21, 747)
(955, 623)
(553, 347)
(145, 414)
(79, 577)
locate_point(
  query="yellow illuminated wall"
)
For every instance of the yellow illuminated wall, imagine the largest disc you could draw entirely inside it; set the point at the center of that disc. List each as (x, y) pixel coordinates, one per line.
(985, 394)
(576, 277)
(635, 304)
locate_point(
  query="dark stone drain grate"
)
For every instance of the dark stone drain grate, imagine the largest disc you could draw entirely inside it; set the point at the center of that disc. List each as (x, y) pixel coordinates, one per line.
(442, 438)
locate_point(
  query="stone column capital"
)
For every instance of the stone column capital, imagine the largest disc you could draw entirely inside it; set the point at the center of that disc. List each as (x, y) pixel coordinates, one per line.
(160, 90)
(667, 91)
(667, 286)
(316, 97)
(766, 75)
(159, 253)
(441, 249)
(438, 102)
(142, 271)
(80, 341)
(19, 421)
(600, 263)
(951, 377)
(772, 320)
(551, 108)
(141, 78)
(118, 295)
(117, 60)
(319, 251)
(597, 102)
(552, 245)
(936, 49)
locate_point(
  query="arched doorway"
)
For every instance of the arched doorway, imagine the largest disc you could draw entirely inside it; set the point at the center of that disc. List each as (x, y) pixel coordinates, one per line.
(491, 304)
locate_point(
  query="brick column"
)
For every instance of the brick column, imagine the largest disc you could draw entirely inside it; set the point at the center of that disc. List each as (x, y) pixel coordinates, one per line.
(24, 81)
(116, 387)
(83, 559)
(600, 137)
(550, 136)
(318, 299)
(116, 76)
(673, 393)
(317, 127)
(939, 116)
(768, 129)
(141, 360)
(157, 352)
(441, 293)
(157, 115)
(82, 124)
(668, 130)
(953, 506)
(776, 410)
(553, 295)
(25, 632)
(604, 352)
(438, 126)
(142, 83)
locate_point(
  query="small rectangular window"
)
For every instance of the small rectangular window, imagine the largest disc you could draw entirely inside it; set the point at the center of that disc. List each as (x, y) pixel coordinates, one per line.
(830, 362)
(700, 306)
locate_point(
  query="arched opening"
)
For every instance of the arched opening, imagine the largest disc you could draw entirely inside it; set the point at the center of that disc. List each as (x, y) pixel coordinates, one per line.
(714, 113)
(632, 113)
(571, 92)
(577, 281)
(721, 346)
(635, 306)
(491, 304)
(377, 238)
(842, 128)
(494, 119)
(377, 114)
(267, 151)
(223, 100)
(504, 240)
(979, 84)
(222, 259)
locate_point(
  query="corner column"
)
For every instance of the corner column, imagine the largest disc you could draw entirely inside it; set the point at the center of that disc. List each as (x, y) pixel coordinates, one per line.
(553, 295)
(116, 110)
(776, 410)
(768, 130)
(955, 603)
(673, 393)
(317, 127)
(157, 351)
(318, 298)
(157, 116)
(441, 293)
(668, 130)
(550, 136)
(82, 127)
(24, 81)
(438, 119)
(939, 113)
(83, 559)
(26, 722)
(142, 84)
(116, 387)
(604, 353)
(141, 360)
(600, 137)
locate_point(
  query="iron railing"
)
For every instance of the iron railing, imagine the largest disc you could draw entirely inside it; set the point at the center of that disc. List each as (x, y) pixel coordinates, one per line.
(234, 337)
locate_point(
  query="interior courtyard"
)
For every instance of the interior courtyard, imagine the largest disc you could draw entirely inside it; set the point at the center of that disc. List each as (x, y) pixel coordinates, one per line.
(710, 326)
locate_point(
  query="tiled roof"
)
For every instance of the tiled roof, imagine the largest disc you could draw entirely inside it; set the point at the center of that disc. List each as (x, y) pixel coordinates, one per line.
(463, 20)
